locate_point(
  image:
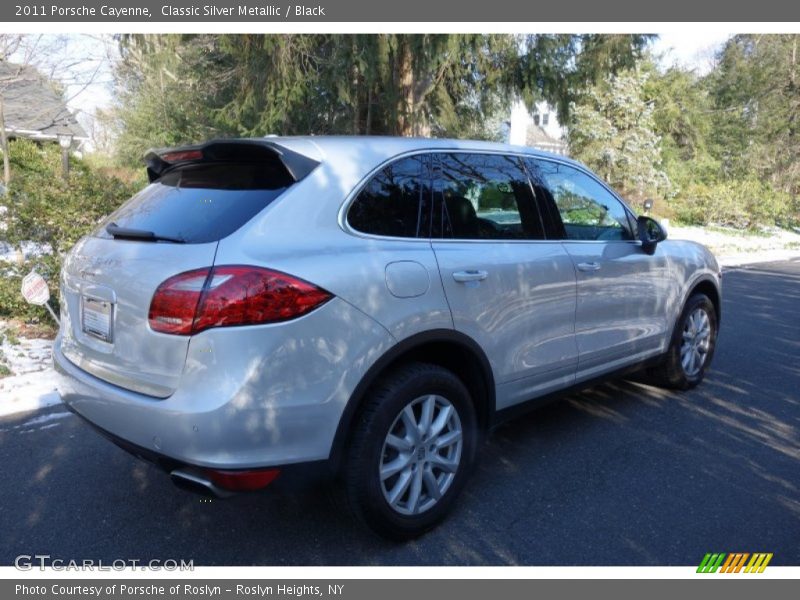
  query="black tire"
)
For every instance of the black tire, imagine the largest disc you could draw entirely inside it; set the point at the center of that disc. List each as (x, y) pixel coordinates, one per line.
(670, 373)
(363, 486)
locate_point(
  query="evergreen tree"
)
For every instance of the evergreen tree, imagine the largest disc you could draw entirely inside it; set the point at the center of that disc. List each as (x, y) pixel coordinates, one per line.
(613, 131)
(557, 68)
(756, 91)
(175, 89)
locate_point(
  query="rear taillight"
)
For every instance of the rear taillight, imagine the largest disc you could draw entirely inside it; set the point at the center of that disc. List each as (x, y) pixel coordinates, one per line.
(174, 305)
(230, 295)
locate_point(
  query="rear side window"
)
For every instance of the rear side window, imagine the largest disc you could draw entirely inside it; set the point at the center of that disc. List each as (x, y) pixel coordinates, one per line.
(396, 201)
(484, 197)
(202, 202)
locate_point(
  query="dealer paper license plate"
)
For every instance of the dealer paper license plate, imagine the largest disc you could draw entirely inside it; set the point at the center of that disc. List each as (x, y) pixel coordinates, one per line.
(97, 317)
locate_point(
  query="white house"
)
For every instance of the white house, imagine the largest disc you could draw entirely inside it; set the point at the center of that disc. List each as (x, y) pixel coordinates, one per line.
(537, 129)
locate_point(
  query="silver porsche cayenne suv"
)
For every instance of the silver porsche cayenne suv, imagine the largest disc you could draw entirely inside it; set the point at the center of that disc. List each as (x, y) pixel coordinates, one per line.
(365, 308)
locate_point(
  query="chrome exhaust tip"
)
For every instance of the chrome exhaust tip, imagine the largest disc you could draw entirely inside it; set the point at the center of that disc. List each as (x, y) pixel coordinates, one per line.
(194, 480)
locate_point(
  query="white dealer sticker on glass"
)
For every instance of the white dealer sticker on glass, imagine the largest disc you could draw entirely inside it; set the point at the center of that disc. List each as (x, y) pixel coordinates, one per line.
(97, 318)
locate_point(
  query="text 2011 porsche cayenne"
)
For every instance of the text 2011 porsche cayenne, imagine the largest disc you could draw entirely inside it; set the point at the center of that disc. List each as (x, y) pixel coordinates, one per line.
(371, 305)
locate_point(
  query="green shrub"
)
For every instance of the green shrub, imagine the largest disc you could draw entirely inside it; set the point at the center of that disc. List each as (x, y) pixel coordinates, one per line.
(45, 208)
(744, 204)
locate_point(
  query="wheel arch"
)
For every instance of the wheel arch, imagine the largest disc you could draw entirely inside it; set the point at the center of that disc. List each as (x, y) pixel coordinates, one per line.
(706, 285)
(444, 347)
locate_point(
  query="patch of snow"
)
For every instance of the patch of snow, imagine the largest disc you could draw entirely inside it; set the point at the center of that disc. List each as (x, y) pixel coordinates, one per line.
(7, 252)
(50, 426)
(29, 356)
(32, 383)
(28, 249)
(728, 239)
(43, 419)
(734, 247)
(765, 256)
(30, 391)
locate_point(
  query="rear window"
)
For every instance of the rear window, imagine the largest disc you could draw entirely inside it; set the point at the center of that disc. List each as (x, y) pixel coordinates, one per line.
(204, 202)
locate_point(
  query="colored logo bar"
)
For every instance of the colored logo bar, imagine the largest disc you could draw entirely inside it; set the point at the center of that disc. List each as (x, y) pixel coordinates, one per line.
(734, 562)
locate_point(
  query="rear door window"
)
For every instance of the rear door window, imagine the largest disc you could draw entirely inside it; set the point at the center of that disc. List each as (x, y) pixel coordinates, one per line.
(395, 202)
(203, 202)
(484, 197)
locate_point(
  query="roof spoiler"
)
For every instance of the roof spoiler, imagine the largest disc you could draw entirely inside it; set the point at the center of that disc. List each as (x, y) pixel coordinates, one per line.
(160, 160)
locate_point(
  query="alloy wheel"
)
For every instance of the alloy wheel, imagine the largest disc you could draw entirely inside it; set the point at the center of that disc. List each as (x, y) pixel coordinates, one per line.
(696, 342)
(421, 454)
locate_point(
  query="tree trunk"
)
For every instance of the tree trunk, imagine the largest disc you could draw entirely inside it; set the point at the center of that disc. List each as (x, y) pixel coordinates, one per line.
(19, 257)
(4, 144)
(793, 89)
(356, 92)
(405, 111)
(368, 126)
(794, 106)
(356, 111)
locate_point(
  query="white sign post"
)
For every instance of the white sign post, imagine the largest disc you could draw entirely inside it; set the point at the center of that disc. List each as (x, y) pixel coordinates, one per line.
(35, 291)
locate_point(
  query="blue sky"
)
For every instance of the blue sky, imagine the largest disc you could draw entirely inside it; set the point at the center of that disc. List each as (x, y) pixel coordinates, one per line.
(688, 49)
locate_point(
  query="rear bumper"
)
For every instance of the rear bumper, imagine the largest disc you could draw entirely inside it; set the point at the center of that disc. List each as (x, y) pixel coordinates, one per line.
(165, 433)
(247, 412)
(294, 475)
(165, 463)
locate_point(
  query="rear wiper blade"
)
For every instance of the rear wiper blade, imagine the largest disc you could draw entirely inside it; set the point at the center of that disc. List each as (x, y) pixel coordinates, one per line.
(126, 233)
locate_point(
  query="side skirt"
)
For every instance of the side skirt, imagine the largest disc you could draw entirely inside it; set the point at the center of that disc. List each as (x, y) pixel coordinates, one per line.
(501, 416)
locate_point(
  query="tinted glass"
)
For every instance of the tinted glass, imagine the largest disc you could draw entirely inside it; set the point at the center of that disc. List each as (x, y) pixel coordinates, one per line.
(588, 210)
(484, 197)
(393, 203)
(203, 202)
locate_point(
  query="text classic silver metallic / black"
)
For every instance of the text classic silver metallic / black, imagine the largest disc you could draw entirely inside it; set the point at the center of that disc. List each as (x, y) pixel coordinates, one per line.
(367, 308)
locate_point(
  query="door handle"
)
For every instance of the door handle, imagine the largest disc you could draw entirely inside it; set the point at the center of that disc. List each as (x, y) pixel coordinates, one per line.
(470, 275)
(588, 266)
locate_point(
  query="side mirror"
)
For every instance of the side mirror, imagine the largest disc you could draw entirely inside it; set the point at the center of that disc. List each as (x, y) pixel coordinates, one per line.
(650, 233)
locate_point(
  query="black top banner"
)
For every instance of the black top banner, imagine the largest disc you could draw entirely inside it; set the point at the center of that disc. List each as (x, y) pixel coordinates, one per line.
(464, 11)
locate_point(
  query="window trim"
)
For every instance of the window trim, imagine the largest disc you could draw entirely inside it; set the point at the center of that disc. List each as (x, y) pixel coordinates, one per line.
(365, 180)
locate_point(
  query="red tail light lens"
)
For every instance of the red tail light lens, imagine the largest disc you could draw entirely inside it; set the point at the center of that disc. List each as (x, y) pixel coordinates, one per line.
(230, 295)
(249, 295)
(174, 305)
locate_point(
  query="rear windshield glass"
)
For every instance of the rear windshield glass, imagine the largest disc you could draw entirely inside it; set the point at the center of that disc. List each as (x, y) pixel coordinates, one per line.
(203, 202)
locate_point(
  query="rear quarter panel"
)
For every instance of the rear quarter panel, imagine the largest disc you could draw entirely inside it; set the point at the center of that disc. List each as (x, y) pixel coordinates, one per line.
(300, 234)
